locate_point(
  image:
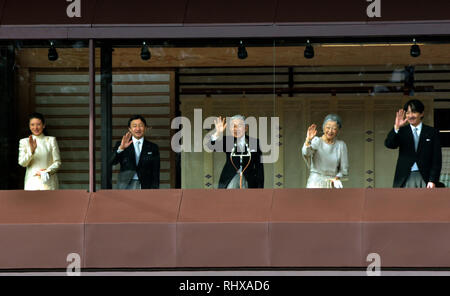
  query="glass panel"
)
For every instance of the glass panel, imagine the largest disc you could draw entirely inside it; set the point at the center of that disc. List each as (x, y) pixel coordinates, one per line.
(148, 91)
(222, 83)
(189, 83)
(365, 83)
(58, 89)
(193, 83)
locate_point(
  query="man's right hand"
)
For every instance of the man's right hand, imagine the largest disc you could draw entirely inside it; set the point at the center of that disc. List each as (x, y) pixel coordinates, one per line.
(220, 126)
(126, 141)
(400, 119)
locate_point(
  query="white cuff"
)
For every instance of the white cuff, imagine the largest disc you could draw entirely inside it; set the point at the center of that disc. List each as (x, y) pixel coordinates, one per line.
(45, 177)
(337, 184)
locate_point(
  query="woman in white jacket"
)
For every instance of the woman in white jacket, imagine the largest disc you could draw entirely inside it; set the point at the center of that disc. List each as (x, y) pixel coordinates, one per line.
(40, 155)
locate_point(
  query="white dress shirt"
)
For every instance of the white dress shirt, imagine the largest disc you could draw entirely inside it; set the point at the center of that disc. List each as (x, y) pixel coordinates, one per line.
(137, 151)
(419, 129)
(240, 142)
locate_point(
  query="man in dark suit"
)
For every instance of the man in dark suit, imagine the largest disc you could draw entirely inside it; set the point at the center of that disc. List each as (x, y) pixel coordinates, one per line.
(139, 159)
(420, 158)
(238, 146)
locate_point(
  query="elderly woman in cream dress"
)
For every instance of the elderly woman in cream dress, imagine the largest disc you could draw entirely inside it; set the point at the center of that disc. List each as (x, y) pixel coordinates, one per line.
(40, 155)
(325, 156)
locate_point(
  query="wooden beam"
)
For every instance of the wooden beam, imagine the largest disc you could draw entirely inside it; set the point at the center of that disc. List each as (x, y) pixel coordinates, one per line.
(343, 55)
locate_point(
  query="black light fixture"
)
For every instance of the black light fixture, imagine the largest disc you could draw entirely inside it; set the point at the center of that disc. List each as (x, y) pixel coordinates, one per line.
(415, 49)
(52, 53)
(242, 52)
(145, 53)
(309, 50)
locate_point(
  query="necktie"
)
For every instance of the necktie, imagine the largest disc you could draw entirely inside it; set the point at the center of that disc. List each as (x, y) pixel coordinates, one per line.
(241, 145)
(138, 151)
(416, 139)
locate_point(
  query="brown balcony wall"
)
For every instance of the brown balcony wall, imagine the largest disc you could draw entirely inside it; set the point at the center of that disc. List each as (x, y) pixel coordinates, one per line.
(287, 228)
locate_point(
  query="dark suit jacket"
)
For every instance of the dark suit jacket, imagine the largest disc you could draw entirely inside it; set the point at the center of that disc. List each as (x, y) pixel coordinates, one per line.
(147, 168)
(428, 155)
(254, 174)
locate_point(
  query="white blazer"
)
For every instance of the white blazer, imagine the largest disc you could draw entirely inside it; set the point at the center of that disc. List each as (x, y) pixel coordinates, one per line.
(46, 156)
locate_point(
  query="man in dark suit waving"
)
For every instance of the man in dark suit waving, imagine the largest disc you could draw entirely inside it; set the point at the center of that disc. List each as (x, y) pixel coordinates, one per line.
(420, 158)
(139, 159)
(243, 167)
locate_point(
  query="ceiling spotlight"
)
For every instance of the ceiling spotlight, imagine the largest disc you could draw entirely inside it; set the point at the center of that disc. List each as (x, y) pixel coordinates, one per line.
(309, 50)
(145, 53)
(415, 49)
(242, 52)
(52, 53)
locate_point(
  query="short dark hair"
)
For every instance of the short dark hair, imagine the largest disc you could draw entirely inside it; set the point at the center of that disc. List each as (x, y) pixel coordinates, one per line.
(416, 106)
(134, 117)
(38, 116)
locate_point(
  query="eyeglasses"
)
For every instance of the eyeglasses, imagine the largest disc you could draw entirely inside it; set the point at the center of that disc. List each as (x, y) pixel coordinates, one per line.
(331, 128)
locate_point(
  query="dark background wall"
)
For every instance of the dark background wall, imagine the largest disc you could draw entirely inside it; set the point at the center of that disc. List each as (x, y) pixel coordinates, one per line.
(8, 149)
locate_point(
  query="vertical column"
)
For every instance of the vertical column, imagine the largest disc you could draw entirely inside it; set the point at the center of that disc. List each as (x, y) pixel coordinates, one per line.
(369, 144)
(306, 118)
(175, 158)
(8, 146)
(208, 164)
(279, 165)
(429, 109)
(106, 114)
(91, 115)
(22, 104)
(291, 81)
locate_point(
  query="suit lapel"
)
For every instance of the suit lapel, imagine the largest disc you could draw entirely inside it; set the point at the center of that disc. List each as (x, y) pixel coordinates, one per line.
(145, 149)
(410, 137)
(132, 153)
(422, 137)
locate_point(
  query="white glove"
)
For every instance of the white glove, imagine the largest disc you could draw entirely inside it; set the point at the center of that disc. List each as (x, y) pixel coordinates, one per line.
(337, 184)
(45, 177)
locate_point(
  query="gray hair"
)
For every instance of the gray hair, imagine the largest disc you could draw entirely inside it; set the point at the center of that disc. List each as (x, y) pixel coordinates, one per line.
(332, 117)
(237, 116)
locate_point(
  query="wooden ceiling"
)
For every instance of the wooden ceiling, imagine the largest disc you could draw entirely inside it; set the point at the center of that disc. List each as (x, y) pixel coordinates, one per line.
(164, 57)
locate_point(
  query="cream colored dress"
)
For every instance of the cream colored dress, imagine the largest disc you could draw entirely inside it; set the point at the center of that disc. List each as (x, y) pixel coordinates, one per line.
(46, 156)
(325, 162)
